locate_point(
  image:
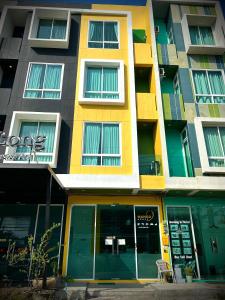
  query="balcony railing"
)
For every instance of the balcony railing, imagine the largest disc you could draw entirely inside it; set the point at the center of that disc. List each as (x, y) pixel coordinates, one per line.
(150, 165)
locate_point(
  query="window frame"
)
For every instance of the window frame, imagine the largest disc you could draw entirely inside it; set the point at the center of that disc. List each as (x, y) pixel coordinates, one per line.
(185, 140)
(101, 63)
(200, 35)
(170, 36)
(52, 25)
(103, 42)
(102, 155)
(207, 95)
(200, 123)
(29, 116)
(220, 141)
(176, 84)
(44, 90)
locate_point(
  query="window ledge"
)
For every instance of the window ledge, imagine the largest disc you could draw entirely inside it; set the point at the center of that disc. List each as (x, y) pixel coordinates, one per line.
(205, 49)
(99, 101)
(213, 170)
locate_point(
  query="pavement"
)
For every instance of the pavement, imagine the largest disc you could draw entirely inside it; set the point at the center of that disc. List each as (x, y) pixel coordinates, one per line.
(151, 291)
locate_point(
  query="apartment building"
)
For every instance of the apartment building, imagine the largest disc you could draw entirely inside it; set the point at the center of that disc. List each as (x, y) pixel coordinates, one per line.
(191, 46)
(114, 126)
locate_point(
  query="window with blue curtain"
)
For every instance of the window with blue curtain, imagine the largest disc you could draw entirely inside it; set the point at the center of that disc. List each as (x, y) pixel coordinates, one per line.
(52, 29)
(101, 82)
(44, 81)
(103, 35)
(215, 145)
(209, 86)
(101, 144)
(34, 129)
(201, 35)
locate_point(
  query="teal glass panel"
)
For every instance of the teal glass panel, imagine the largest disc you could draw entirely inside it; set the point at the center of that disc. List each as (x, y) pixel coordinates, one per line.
(194, 35)
(181, 236)
(44, 29)
(92, 138)
(35, 81)
(110, 139)
(110, 79)
(148, 241)
(59, 29)
(55, 217)
(206, 36)
(93, 79)
(17, 222)
(91, 160)
(212, 141)
(47, 129)
(115, 247)
(111, 31)
(209, 226)
(81, 243)
(53, 77)
(216, 82)
(96, 31)
(27, 129)
(190, 171)
(111, 161)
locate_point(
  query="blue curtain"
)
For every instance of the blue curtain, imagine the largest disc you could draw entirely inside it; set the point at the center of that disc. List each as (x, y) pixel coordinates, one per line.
(52, 81)
(213, 144)
(111, 144)
(93, 82)
(217, 86)
(110, 82)
(44, 29)
(35, 81)
(206, 36)
(59, 29)
(194, 35)
(202, 86)
(27, 129)
(92, 143)
(95, 35)
(47, 129)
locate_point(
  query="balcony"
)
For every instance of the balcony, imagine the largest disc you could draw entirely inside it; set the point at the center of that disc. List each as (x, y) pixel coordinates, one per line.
(146, 106)
(4, 99)
(143, 54)
(149, 165)
(10, 48)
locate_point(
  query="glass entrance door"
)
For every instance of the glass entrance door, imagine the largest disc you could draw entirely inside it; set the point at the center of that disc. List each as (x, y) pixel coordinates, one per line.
(115, 242)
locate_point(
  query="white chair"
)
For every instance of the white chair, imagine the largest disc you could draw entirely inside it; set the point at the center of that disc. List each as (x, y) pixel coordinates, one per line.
(163, 269)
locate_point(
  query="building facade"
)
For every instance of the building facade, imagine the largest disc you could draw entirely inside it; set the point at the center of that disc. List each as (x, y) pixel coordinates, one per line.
(126, 105)
(190, 45)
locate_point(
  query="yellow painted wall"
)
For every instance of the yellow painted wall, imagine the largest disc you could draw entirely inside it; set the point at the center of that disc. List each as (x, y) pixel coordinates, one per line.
(104, 113)
(124, 200)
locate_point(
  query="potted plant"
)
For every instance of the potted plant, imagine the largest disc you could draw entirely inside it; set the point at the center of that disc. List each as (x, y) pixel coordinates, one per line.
(188, 270)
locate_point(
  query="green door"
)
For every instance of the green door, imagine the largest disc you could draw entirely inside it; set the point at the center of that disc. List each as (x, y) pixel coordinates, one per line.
(115, 243)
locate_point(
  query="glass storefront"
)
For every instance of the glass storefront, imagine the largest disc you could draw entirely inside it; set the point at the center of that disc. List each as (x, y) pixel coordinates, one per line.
(17, 222)
(113, 242)
(197, 233)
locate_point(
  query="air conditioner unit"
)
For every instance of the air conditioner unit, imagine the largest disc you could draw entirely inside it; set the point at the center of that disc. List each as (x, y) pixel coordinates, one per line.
(161, 72)
(156, 29)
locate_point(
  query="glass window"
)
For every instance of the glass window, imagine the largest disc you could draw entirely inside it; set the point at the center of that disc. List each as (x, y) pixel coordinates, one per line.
(103, 35)
(101, 144)
(209, 86)
(44, 81)
(201, 35)
(52, 29)
(101, 82)
(34, 129)
(215, 145)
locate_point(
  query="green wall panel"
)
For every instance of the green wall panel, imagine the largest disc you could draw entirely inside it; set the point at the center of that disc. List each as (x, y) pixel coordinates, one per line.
(175, 153)
(162, 35)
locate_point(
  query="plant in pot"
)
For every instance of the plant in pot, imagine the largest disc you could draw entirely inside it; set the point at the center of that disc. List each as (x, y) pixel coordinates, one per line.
(189, 270)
